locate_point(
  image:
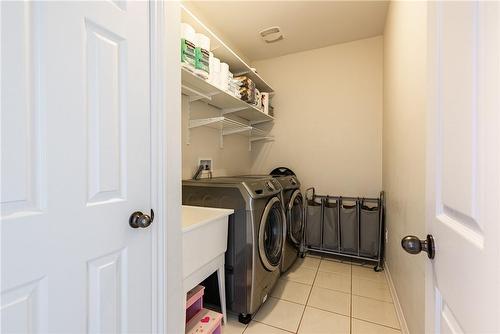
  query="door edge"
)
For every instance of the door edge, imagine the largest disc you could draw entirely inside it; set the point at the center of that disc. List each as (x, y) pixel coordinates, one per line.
(167, 313)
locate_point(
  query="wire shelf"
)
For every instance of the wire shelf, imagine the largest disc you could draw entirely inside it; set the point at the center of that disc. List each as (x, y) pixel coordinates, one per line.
(197, 89)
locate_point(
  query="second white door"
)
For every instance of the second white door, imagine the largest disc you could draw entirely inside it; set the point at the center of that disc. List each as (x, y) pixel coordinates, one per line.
(463, 281)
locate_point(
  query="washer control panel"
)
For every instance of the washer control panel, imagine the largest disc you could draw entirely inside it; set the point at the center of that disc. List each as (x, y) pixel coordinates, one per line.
(261, 188)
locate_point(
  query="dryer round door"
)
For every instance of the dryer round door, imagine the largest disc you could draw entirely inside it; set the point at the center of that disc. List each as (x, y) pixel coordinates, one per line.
(296, 217)
(272, 234)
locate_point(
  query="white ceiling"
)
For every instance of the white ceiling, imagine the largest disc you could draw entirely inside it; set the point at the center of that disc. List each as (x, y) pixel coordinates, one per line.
(305, 24)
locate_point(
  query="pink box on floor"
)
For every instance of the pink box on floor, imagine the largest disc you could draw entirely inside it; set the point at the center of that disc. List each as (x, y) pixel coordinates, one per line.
(194, 301)
(205, 322)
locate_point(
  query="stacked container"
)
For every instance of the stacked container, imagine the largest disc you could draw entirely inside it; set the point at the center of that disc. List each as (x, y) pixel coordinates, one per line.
(224, 76)
(247, 89)
(198, 319)
(265, 103)
(188, 39)
(214, 70)
(202, 53)
(196, 57)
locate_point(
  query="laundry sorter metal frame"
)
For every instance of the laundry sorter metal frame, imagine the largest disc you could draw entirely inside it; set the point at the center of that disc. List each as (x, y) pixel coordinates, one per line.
(380, 201)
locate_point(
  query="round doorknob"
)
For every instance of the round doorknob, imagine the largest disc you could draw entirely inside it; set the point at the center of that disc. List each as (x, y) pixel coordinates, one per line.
(414, 245)
(140, 220)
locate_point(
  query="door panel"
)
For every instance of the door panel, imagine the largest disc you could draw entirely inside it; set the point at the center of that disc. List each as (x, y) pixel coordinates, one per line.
(75, 164)
(24, 308)
(459, 116)
(22, 148)
(106, 104)
(463, 167)
(107, 291)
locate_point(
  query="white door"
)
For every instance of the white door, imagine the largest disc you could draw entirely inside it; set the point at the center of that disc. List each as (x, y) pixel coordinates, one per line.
(75, 163)
(463, 281)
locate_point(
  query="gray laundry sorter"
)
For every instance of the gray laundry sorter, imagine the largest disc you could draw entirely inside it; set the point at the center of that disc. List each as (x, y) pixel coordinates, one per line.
(313, 233)
(349, 229)
(345, 226)
(331, 237)
(369, 226)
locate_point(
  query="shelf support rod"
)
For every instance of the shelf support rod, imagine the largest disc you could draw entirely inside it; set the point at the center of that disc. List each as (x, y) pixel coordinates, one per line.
(260, 121)
(198, 95)
(231, 110)
(233, 131)
(196, 123)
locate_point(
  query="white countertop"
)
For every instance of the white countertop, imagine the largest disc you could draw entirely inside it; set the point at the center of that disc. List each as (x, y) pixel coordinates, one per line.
(193, 216)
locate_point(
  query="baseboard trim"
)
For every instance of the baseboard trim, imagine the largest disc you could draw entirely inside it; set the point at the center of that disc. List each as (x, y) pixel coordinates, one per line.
(397, 305)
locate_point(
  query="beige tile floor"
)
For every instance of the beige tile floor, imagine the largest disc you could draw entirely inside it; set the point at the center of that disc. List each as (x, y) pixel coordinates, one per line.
(323, 295)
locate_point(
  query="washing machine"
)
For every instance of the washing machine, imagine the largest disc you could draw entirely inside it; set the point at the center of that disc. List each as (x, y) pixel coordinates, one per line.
(256, 235)
(293, 204)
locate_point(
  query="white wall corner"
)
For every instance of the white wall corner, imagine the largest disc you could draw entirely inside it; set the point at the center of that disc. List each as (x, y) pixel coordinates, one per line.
(397, 304)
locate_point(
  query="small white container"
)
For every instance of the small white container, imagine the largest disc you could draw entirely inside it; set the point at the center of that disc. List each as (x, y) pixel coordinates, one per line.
(224, 76)
(213, 76)
(202, 41)
(265, 102)
(188, 33)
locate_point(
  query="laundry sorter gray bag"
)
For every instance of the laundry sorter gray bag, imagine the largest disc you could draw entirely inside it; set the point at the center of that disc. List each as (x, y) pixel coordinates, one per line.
(369, 234)
(349, 229)
(330, 227)
(313, 224)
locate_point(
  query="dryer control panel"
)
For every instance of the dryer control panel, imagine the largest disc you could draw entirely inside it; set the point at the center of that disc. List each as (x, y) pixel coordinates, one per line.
(288, 182)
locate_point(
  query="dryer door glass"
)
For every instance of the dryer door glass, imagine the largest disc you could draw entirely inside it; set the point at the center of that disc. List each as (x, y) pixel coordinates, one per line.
(296, 218)
(271, 234)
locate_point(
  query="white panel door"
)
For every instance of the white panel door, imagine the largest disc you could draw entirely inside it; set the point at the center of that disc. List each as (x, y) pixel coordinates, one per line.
(463, 282)
(75, 163)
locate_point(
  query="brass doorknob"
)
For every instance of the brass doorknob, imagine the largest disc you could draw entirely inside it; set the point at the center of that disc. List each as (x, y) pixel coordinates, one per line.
(414, 245)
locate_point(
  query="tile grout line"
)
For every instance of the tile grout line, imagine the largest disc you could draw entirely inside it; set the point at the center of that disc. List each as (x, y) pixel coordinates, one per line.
(263, 323)
(328, 311)
(315, 307)
(372, 298)
(330, 289)
(376, 323)
(309, 295)
(246, 327)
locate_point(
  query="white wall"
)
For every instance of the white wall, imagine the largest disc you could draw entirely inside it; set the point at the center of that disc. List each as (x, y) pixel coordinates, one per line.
(328, 125)
(404, 151)
(233, 159)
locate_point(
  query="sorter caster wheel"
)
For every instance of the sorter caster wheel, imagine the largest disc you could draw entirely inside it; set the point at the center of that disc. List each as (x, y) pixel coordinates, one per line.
(378, 268)
(302, 255)
(244, 318)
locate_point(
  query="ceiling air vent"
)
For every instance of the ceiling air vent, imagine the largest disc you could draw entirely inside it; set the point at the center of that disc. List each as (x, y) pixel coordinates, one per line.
(271, 35)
